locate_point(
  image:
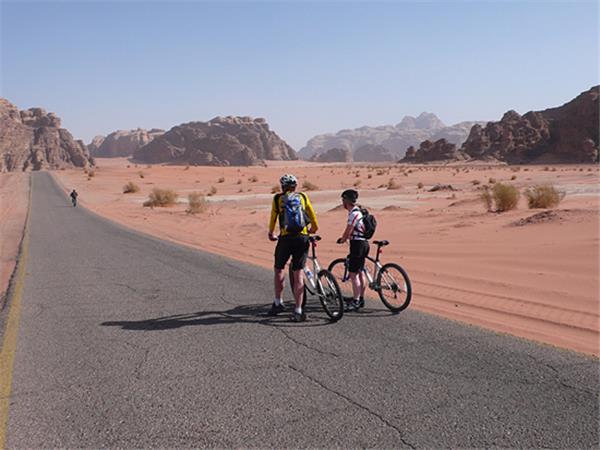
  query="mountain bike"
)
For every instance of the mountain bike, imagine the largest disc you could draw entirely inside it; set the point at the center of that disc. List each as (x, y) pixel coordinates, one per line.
(321, 283)
(389, 280)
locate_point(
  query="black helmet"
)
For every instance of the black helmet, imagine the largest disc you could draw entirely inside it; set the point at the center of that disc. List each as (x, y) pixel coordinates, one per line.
(351, 195)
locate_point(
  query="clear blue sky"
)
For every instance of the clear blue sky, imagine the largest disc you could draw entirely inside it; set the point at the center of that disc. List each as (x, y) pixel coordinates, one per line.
(307, 67)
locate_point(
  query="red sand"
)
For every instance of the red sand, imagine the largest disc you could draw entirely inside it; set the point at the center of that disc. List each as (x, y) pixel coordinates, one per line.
(14, 201)
(539, 281)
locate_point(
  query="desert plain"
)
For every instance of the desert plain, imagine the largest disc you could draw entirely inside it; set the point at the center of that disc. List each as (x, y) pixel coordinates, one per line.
(532, 273)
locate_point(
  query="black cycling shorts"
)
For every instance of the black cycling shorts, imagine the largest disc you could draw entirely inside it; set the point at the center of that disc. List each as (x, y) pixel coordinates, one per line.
(358, 253)
(295, 246)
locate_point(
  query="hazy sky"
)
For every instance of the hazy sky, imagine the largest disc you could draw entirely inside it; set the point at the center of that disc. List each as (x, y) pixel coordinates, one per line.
(307, 67)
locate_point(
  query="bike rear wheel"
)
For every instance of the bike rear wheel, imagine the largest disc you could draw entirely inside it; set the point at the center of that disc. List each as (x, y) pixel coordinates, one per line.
(393, 287)
(328, 291)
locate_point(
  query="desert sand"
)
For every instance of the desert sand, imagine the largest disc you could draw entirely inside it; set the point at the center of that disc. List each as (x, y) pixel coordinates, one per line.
(14, 202)
(538, 280)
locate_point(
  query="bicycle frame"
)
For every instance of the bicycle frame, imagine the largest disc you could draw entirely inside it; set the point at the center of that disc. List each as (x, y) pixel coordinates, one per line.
(376, 268)
(311, 281)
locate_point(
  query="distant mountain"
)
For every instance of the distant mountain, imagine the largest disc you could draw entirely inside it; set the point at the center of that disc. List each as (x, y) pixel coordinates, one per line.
(236, 141)
(565, 134)
(33, 139)
(411, 131)
(122, 143)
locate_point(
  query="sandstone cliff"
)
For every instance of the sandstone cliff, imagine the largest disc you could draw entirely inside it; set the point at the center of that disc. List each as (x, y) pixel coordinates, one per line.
(122, 143)
(33, 139)
(228, 140)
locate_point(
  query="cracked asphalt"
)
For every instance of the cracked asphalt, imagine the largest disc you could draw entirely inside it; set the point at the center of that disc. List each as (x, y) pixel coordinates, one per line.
(129, 341)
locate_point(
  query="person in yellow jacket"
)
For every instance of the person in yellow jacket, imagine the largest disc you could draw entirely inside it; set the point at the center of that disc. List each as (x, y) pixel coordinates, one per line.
(297, 219)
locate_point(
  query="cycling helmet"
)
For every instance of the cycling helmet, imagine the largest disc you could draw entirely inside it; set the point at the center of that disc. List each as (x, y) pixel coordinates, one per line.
(288, 180)
(351, 195)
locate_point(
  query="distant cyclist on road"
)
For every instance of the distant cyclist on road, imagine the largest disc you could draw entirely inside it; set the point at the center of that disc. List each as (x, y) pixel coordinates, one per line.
(296, 220)
(359, 248)
(74, 195)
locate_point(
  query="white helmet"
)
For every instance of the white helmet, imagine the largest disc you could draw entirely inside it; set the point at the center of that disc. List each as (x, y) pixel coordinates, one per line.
(288, 180)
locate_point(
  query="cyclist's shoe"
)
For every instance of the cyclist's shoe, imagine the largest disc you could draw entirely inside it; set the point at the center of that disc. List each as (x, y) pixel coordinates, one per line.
(298, 317)
(352, 305)
(361, 302)
(276, 309)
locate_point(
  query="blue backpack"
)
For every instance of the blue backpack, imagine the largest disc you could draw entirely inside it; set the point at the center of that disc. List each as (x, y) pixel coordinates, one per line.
(292, 216)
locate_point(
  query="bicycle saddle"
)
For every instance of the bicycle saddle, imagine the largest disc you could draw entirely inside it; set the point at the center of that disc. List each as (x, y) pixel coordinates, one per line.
(381, 243)
(315, 238)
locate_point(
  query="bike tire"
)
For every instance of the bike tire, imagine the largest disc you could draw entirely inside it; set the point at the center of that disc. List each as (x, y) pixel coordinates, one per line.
(388, 280)
(304, 295)
(339, 271)
(330, 296)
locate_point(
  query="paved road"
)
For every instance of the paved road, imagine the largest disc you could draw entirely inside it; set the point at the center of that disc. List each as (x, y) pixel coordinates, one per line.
(127, 341)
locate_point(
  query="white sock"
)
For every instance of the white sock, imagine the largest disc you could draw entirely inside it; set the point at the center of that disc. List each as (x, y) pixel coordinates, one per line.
(278, 302)
(298, 310)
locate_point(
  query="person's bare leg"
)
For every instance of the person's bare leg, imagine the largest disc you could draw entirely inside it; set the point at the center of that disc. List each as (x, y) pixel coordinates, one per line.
(298, 288)
(363, 283)
(279, 281)
(356, 284)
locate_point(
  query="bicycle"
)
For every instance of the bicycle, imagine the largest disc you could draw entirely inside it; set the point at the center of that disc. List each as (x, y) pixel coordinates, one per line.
(324, 285)
(389, 280)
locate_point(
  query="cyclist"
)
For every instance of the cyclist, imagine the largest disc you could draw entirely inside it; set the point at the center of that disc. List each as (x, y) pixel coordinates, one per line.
(359, 248)
(297, 219)
(74, 195)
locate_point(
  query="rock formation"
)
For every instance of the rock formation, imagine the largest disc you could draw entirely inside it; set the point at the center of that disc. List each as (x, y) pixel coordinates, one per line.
(32, 140)
(566, 134)
(237, 141)
(440, 150)
(122, 143)
(334, 155)
(373, 153)
(396, 139)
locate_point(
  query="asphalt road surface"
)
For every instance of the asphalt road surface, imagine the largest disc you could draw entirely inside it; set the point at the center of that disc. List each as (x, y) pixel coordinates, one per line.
(129, 341)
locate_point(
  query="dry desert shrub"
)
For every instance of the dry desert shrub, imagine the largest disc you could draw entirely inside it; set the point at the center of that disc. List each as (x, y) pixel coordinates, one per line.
(161, 197)
(212, 191)
(253, 179)
(369, 176)
(239, 181)
(309, 186)
(514, 177)
(475, 182)
(356, 183)
(187, 167)
(141, 174)
(130, 188)
(420, 185)
(91, 173)
(503, 197)
(492, 180)
(393, 184)
(543, 196)
(196, 203)
(221, 180)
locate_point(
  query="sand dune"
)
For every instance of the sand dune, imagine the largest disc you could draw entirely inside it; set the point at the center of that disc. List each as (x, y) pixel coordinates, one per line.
(538, 280)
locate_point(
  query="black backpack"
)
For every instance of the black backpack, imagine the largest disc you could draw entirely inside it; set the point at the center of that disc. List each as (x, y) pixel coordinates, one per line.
(369, 222)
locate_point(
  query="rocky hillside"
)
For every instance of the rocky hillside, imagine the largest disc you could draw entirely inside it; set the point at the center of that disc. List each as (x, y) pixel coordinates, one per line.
(236, 141)
(393, 138)
(428, 151)
(122, 142)
(33, 139)
(333, 155)
(566, 134)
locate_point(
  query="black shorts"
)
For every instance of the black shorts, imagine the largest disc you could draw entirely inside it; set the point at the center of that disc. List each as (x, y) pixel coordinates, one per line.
(295, 246)
(358, 253)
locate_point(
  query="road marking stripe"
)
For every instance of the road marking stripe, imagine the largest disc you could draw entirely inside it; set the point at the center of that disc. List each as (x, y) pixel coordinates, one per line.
(9, 344)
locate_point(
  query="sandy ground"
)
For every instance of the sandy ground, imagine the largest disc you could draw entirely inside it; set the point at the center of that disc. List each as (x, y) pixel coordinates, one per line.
(14, 201)
(539, 280)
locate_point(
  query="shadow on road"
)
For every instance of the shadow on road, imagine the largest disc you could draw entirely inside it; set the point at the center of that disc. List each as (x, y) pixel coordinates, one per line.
(239, 314)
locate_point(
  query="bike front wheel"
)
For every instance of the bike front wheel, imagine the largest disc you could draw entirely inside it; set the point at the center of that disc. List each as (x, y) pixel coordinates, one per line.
(328, 291)
(393, 287)
(339, 269)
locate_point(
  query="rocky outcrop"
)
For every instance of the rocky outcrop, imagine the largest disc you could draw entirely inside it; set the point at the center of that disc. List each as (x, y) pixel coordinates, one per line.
(237, 141)
(566, 134)
(123, 143)
(95, 144)
(334, 155)
(33, 139)
(373, 153)
(428, 151)
(395, 138)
